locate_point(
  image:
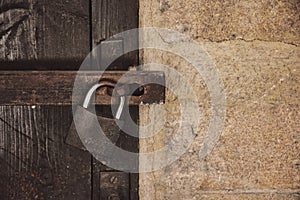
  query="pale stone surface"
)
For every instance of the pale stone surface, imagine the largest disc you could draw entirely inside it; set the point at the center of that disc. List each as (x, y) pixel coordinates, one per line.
(250, 196)
(257, 156)
(221, 20)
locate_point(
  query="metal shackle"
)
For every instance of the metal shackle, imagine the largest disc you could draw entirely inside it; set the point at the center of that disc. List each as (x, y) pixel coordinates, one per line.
(88, 97)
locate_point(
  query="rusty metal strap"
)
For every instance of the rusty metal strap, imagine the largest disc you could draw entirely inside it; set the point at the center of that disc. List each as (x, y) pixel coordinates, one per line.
(56, 87)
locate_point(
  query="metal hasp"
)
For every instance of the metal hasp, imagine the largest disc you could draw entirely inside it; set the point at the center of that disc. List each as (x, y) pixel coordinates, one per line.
(56, 87)
(113, 185)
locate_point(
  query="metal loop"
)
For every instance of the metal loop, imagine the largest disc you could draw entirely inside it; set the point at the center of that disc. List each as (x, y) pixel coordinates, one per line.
(88, 97)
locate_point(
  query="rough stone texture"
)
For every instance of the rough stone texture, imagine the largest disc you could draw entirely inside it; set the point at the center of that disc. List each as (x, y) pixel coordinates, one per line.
(250, 196)
(268, 20)
(257, 156)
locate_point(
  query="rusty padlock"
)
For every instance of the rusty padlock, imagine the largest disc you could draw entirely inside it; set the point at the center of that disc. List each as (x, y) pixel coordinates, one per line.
(88, 121)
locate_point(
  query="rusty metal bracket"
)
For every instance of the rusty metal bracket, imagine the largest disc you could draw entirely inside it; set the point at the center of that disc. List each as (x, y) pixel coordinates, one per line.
(114, 185)
(56, 87)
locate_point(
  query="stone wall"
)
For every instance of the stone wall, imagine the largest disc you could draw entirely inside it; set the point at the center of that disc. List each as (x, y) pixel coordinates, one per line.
(255, 46)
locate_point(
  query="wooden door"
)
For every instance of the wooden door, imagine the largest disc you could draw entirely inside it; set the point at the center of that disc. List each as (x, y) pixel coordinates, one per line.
(35, 163)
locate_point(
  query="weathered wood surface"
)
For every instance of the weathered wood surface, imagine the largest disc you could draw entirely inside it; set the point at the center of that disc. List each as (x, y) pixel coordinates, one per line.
(39, 30)
(53, 35)
(110, 17)
(126, 142)
(35, 162)
(56, 87)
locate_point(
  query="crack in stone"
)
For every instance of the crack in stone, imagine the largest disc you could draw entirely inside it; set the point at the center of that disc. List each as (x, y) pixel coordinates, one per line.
(246, 40)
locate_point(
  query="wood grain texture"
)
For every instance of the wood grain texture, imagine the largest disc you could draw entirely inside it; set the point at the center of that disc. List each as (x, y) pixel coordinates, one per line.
(110, 17)
(113, 16)
(127, 143)
(35, 31)
(36, 162)
(17, 30)
(43, 35)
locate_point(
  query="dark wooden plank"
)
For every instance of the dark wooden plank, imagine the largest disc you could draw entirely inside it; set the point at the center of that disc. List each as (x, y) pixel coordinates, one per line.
(126, 142)
(37, 163)
(110, 17)
(46, 32)
(62, 29)
(113, 16)
(41, 35)
(34, 31)
(134, 186)
(111, 50)
(132, 145)
(17, 30)
(55, 88)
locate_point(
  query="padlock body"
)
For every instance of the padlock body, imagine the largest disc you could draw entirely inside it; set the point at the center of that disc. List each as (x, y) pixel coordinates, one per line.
(88, 123)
